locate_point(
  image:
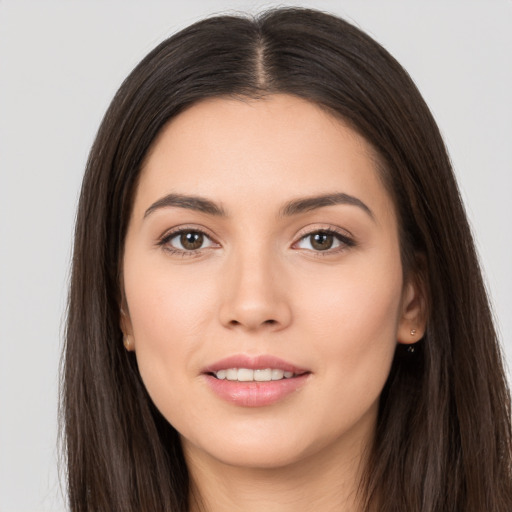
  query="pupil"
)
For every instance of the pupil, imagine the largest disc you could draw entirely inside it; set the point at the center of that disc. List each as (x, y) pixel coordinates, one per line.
(322, 241)
(191, 240)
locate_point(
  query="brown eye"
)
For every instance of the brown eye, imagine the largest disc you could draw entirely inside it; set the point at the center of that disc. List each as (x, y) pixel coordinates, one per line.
(321, 241)
(191, 240)
(187, 241)
(324, 241)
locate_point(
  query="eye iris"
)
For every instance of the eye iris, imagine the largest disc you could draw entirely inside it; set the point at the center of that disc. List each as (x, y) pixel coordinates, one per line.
(191, 240)
(322, 241)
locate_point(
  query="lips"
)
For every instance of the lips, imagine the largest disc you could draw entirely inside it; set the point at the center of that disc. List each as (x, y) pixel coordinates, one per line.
(260, 362)
(254, 381)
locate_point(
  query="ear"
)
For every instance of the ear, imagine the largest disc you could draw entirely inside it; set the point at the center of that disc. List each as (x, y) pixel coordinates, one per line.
(126, 328)
(414, 311)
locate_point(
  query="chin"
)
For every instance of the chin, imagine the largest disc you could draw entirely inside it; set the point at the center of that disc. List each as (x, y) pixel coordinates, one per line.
(255, 456)
(265, 448)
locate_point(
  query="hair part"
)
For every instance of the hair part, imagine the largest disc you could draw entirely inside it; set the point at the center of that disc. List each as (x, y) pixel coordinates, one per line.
(443, 440)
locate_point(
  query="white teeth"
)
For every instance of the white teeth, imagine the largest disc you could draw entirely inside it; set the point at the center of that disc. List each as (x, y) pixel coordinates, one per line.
(263, 375)
(245, 375)
(248, 375)
(232, 374)
(277, 374)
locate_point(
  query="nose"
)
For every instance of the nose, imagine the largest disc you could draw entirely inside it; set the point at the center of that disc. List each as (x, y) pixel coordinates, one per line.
(254, 294)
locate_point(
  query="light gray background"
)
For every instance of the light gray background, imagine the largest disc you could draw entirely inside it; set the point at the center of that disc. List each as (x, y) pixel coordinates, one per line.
(60, 64)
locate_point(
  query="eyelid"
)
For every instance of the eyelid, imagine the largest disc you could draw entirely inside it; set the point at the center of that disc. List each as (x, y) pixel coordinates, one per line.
(326, 228)
(175, 231)
(342, 235)
(345, 237)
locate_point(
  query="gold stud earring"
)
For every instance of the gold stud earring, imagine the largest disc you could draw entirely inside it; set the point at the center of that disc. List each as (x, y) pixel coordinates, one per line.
(413, 332)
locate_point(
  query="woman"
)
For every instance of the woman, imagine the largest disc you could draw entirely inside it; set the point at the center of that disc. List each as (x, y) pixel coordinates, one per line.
(275, 299)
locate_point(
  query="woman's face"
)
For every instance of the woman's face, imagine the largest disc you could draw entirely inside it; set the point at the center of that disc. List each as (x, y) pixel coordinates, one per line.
(263, 282)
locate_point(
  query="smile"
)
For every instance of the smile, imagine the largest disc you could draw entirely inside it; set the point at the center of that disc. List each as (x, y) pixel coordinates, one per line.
(249, 375)
(254, 381)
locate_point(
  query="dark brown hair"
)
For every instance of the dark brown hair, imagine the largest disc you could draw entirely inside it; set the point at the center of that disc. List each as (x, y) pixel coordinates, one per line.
(443, 440)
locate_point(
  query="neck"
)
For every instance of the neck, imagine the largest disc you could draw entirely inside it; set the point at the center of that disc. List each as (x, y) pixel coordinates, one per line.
(326, 481)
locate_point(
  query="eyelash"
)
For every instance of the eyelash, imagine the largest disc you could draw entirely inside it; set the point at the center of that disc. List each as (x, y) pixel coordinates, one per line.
(345, 241)
(164, 242)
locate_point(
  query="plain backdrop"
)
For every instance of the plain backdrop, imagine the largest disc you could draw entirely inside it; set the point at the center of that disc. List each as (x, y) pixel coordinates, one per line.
(61, 63)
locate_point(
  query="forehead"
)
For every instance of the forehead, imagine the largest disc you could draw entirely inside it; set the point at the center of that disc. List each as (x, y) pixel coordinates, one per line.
(270, 149)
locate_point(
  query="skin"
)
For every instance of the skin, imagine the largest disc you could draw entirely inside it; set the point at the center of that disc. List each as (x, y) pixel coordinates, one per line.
(258, 286)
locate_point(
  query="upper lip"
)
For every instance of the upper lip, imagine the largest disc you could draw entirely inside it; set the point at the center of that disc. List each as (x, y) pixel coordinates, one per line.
(259, 362)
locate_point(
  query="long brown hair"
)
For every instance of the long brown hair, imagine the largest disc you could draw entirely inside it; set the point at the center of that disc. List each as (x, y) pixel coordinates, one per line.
(443, 440)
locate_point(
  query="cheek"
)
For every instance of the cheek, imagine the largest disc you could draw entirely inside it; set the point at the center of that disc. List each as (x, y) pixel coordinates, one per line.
(167, 305)
(357, 295)
(167, 312)
(353, 320)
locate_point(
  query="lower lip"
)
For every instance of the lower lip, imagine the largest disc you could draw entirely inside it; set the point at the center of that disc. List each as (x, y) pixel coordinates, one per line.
(255, 394)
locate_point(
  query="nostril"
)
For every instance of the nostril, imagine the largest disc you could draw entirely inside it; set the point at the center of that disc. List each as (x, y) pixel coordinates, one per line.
(236, 323)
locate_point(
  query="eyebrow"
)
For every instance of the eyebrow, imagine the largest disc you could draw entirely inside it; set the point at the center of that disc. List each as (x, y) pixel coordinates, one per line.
(291, 208)
(307, 204)
(195, 203)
